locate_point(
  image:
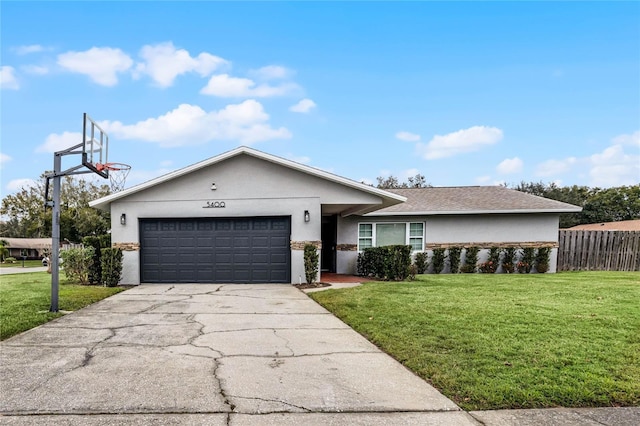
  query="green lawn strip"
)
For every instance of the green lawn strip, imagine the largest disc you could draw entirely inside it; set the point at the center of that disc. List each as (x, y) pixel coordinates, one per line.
(18, 264)
(25, 300)
(508, 341)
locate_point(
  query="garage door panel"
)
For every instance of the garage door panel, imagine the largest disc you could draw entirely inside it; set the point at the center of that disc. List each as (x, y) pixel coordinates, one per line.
(233, 250)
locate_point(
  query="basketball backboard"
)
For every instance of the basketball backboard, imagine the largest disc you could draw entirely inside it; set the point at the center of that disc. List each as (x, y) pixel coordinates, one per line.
(95, 146)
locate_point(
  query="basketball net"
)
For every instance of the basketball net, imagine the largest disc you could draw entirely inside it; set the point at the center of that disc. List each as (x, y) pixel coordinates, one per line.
(118, 173)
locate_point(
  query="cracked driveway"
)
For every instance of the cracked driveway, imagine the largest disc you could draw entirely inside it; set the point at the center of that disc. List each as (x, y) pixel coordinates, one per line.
(209, 354)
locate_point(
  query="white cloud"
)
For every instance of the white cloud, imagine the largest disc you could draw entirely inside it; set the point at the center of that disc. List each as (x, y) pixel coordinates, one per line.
(408, 136)
(405, 174)
(298, 158)
(8, 79)
(101, 64)
(555, 167)
(304, 106)
(163, 63)
(632, 139)
(462, 141)
(137, 176)
(246, 122)
(226, 86)
(614, 167)
(272, 72)
(35, 69)
(4, 158)
(57, 142)
(18, 184)
(483, 180)
(510, 165)
(25, 50)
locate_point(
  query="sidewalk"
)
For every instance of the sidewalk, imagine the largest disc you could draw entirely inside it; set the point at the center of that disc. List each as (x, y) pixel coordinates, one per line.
(21, 270)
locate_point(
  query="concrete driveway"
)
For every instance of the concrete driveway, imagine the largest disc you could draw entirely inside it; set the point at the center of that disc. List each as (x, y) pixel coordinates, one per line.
(209, 354)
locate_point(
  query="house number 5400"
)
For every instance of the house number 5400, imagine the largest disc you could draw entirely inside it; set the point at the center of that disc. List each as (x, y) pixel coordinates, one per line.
(214, 205)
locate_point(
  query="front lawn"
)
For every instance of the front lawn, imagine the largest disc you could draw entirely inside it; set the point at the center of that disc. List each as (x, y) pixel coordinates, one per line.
(18, 264)
(508, 341)
(25, 300)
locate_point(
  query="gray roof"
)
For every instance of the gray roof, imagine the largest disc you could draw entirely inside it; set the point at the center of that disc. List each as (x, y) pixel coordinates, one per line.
(471, 200)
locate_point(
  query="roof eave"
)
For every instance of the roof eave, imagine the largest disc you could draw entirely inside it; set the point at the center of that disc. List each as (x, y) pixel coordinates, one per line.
(465, 212)
(391, 198)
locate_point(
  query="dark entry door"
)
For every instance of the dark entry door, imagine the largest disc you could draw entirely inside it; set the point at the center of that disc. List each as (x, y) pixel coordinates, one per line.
(329, 234)
(214, 250)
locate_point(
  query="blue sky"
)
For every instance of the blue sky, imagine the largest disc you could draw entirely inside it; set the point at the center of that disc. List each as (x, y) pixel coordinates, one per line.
(463, 93)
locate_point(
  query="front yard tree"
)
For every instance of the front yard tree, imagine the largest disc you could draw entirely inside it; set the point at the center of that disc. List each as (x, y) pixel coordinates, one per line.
(25, 216)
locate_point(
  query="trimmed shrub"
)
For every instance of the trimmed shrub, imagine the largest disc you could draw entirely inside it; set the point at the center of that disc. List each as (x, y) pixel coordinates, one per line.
(420, 262)
(386, 263)
(491, 265)
(437, 260)
(454, 259)
(543, 256)
(310, 263)
(98, 243)
(470, 260)
(111, 266)
(527, 256)
(10, 260)
(508, 258)
(77, 263)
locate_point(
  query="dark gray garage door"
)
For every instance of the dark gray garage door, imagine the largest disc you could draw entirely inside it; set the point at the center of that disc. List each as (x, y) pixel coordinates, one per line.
(233, 250)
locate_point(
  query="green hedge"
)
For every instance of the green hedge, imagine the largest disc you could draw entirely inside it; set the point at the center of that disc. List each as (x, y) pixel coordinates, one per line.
(385, 263)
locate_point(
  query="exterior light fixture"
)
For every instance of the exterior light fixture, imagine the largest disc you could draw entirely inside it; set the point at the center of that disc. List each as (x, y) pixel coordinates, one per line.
(307, 216)
(213, 186)
(123, 219)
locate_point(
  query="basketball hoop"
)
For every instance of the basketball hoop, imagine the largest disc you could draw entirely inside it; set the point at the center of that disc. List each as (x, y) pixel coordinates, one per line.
(118, 173)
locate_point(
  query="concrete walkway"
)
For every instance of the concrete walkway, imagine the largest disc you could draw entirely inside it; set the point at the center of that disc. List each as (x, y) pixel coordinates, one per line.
(209, 354)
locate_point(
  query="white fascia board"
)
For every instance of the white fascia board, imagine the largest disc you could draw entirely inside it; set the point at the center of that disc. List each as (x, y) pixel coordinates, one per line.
(458, 212)
(103, 203)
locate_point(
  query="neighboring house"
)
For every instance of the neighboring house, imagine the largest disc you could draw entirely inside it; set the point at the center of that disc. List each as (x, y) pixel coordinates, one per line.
(623, 225)
(32, 248)
(244, 216)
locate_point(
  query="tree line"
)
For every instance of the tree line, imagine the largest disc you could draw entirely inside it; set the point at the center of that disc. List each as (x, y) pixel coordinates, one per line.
(24, 215)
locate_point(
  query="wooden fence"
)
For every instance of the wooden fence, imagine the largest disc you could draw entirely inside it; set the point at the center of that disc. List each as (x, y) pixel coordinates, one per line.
(599, 251)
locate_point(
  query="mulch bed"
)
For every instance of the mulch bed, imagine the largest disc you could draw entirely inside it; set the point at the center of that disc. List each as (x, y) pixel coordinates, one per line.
(313, 285)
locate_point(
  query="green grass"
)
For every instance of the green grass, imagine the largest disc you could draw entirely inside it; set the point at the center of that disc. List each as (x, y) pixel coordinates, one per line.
(25, 300)
(508, 341)
(18, 264)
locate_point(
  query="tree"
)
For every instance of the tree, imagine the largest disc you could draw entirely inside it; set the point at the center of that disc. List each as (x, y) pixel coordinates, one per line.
(392, 182)
(26, 217)
(613, 204)
(598, 205)
(4, 251)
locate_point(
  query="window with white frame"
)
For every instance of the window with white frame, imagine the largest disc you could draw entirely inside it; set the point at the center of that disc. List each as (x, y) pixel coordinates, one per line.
(385, 234)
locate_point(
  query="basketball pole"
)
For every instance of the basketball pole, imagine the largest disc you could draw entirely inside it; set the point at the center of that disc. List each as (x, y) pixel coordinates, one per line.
(55, 233)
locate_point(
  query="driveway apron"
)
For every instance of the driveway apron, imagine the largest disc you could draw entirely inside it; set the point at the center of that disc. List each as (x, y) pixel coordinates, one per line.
(209, 354)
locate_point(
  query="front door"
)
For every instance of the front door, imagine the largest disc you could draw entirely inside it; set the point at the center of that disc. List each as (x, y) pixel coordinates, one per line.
(329, 241)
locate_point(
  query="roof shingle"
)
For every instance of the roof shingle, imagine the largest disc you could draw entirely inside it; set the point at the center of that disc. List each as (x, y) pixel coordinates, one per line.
(472, 199)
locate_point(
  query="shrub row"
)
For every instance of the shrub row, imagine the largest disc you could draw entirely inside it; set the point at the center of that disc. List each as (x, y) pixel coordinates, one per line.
(386, 263)
(511, 259)
(80, 265)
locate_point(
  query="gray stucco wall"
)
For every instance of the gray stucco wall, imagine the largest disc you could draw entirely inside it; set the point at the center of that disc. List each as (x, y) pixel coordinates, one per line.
(249, 187)
(486, 228)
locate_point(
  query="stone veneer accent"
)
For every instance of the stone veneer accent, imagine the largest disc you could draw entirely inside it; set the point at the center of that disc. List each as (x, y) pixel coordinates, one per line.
(299, 245)
(485, 245)
(347, 247)
(127, 246)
